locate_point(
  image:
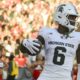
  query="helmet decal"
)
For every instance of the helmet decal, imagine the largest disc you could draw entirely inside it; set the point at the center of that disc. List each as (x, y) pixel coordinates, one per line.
(61, 9)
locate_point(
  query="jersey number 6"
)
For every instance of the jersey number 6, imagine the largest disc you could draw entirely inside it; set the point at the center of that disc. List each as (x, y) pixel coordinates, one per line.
(59, 56)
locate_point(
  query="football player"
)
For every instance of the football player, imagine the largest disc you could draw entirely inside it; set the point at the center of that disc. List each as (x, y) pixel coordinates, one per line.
(61, 45)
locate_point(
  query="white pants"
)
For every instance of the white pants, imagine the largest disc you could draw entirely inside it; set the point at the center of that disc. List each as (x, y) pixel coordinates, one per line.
(42, 78)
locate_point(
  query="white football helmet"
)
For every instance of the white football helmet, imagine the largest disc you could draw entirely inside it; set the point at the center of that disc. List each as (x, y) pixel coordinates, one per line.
(61, 15)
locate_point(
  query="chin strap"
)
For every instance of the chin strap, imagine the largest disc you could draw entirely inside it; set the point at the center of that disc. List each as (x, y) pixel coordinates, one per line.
(78, 74)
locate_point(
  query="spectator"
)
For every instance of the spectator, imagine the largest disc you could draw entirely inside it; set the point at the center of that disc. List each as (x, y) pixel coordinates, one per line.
(38, 66)
(1, 68)
(12, 72)
(22, 63)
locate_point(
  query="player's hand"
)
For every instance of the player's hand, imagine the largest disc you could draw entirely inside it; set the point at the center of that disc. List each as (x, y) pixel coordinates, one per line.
(32, 47)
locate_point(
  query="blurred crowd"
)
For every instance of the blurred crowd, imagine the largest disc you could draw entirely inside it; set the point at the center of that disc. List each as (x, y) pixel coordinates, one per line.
(22, 19)
(20, 66)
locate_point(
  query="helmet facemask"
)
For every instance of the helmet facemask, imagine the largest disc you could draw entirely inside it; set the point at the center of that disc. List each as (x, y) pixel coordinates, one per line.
(71, 22)
(77, 24)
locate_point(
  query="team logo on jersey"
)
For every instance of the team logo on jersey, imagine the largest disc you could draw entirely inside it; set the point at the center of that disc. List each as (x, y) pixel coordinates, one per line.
(61, 44)
(50, 33)
(71, 36)
(66, 36)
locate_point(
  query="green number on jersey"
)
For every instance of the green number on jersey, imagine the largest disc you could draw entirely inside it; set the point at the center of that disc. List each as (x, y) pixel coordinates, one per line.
(59, 57)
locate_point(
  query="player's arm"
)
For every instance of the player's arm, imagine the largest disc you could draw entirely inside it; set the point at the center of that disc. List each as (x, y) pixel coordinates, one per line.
(78, 61)
(32, 47)
(41, 39)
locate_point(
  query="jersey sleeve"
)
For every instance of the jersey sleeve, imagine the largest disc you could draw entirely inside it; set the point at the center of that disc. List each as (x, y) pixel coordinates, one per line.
(42, 35)
(77, 34)
(43, 32)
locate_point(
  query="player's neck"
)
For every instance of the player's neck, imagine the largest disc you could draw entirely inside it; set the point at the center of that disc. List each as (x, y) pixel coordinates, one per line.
(63, 30)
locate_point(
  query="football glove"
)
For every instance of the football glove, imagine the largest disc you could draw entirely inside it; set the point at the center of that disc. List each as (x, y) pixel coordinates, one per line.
(31, 47)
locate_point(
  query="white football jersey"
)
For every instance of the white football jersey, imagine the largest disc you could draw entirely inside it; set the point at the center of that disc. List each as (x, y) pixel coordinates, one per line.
(59, 54)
